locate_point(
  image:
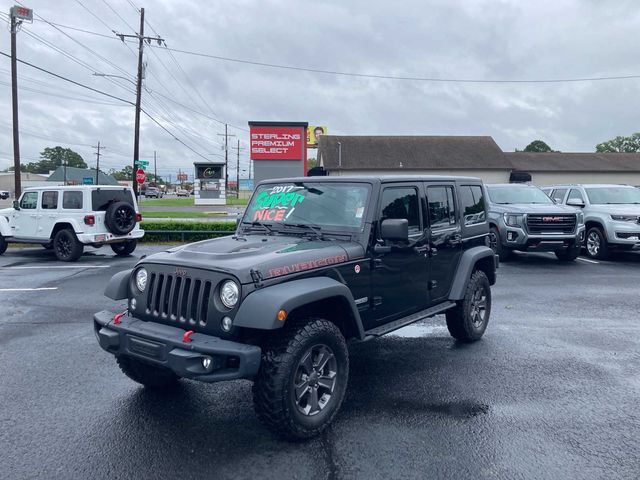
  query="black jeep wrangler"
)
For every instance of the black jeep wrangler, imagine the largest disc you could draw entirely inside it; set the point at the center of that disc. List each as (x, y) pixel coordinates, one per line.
(315, 263)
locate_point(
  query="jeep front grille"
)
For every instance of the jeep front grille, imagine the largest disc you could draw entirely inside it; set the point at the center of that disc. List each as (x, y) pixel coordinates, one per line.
(551, 223)
(183, 300)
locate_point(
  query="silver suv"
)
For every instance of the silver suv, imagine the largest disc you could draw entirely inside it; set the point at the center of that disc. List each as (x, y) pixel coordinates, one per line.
(66, 219)
(612, 215)
(523, 218)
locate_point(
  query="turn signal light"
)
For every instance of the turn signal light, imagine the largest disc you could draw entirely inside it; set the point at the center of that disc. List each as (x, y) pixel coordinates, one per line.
(282, 315)
(89, 220)
(138, 217)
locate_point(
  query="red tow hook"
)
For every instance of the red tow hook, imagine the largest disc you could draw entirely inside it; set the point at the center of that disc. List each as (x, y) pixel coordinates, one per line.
(186, 338)
(117, 317)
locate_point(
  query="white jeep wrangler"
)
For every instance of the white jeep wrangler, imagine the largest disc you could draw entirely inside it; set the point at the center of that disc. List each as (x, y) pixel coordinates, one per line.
(66, 219)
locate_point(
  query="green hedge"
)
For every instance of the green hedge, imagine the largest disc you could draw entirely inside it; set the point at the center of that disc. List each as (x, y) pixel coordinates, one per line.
(175, 231)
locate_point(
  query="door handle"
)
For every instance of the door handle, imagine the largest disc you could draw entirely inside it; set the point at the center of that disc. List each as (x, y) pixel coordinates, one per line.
(455, 239)
(421, 249)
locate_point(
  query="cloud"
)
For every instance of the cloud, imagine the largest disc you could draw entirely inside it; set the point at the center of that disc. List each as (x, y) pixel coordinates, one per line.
(436, 38)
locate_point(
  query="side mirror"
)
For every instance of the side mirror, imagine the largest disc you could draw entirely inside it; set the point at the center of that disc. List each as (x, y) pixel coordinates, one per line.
(575, 202)
(395, 229)
(16, 205)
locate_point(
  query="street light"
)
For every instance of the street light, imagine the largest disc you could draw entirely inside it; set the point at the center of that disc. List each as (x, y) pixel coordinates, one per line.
(114, 76)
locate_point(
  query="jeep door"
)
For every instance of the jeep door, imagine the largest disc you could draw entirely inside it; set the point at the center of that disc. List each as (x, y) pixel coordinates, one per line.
(48, 214)
(445, 238)
(25, 221)
(399, 276)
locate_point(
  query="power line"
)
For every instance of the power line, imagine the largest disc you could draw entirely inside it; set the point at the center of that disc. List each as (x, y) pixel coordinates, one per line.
(402, 78)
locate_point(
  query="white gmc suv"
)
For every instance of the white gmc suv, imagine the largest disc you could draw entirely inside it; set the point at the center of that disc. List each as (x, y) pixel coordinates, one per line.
(67, 218)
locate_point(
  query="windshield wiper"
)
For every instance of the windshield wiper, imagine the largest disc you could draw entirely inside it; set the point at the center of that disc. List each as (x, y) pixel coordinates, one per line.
(264, 226)
(315, 229)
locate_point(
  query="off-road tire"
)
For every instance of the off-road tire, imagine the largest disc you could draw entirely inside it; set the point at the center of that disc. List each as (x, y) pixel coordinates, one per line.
(3, 245)
(504, 253)
(66, 246)
(460, 319)
(568, 254)
(145, 374)
(123, 249)
(274, 386)
(602, 251)
(120, 218)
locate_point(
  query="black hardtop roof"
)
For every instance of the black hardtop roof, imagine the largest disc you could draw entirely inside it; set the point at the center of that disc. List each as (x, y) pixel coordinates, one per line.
(375, 179)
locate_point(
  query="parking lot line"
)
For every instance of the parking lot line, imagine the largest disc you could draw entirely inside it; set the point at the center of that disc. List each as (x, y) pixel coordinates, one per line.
(55, 266)
(39, 289)
(587, 260)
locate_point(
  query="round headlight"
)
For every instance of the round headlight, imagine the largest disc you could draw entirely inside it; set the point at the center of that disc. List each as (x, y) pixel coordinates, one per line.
(141, 279)
(229, 293)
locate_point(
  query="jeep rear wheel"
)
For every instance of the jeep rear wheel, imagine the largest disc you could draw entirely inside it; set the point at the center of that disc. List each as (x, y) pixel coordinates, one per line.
(66, 246)
(468, 320)
(145, 374)
(302, 379)
(123, 249)
(596, 244)
(3, 245)
(504, 253)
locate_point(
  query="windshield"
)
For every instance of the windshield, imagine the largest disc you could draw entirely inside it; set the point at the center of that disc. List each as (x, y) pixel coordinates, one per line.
(513, 194)
(313, 204)
(613, 195)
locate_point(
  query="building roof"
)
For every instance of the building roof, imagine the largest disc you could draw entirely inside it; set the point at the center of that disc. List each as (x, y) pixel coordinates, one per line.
(574, 162)
(76, 176)
(411, 152)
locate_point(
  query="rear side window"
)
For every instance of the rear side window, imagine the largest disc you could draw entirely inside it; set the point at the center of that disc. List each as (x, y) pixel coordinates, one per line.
(472, 204)
(72, 200)
(49, 200)
(101, 199)
(29, 201)
(442, 210)
(558, 194)
(401, 203)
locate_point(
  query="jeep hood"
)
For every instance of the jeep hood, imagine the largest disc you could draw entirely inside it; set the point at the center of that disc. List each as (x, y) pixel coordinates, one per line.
(270, 255)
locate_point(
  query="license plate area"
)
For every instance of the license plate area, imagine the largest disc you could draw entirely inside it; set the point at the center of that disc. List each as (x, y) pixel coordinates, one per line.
(146, 348)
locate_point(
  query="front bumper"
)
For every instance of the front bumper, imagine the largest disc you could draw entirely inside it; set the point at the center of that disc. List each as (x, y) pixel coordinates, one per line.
(518, 238)
(163, 345)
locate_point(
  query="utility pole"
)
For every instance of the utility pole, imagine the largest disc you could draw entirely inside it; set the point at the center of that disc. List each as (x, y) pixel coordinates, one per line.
(136, 134)
(155, 170)
(17, 14)
(238, 169)
(98, 148)
(226, 159)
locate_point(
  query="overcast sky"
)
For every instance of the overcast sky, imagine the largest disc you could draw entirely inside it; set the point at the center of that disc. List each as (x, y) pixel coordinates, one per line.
(486, 40)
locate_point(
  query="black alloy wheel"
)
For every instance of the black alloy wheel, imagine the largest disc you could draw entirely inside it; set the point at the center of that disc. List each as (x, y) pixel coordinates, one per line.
(122, 249)
(66, 246)
(468, 320)
(315, 380)
(120, 218)
(3, 245)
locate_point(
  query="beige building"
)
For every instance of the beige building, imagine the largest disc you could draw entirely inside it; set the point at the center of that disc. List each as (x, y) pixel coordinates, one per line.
(473, 156)
(7, 181)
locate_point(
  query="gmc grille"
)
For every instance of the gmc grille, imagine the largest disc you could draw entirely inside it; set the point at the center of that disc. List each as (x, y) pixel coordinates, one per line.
(183, 300)
(541, 224)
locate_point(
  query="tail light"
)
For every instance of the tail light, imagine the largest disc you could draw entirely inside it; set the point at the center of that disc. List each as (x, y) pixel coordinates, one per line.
(89, 220)
(138, 217)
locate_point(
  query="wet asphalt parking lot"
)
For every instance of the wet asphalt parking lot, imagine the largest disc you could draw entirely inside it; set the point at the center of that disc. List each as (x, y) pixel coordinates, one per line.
(552, 391)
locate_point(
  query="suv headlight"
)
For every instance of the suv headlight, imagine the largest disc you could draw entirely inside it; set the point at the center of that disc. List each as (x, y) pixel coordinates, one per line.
(580, 218)
(141, 279)
(229, 293)
(513, 219)
(625, 218)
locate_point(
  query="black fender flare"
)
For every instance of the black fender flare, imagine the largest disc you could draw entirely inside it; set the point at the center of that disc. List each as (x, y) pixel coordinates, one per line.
(260, 308)
(466, 266)
(118, 286)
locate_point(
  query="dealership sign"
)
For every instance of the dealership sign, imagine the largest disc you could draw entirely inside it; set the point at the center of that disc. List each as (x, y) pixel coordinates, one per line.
(277, 143)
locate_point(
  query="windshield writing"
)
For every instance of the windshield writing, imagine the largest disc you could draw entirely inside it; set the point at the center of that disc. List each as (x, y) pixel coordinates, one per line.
(309, 204)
